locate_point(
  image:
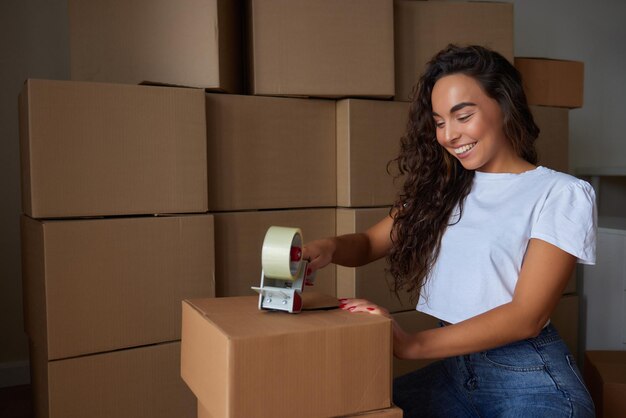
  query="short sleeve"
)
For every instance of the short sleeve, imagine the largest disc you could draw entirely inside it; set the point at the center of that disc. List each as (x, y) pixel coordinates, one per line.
(568, 220)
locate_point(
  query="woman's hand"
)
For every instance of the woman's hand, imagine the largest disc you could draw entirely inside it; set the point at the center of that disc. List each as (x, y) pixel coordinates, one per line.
(362, 305)
(319, 253)
(402, 341)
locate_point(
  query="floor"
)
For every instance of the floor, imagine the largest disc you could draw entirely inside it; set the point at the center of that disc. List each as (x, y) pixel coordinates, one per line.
(16, 402)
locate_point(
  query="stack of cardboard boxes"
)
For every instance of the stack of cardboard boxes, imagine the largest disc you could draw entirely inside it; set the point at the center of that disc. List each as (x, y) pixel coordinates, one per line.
(114, 233)
(301, 138)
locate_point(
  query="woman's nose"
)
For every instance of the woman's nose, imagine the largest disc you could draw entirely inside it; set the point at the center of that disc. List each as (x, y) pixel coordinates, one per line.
(451, 133)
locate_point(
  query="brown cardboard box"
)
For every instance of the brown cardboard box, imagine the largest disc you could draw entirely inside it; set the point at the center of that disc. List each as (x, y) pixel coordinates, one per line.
(270, 152)
(565, 319)
(105, 284)
(93, 149)
(321, 48)
(370, 281)
(141, 382)
(553, 141)
(393, 412)
(422, 28)
(571, 286)
(550, 82)
(240, 361)
(368, 137)
(194, 43)
(413, 322)
(239, 240)
(605, 376)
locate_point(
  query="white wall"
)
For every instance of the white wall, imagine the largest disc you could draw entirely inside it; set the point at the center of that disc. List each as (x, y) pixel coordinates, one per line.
(34, 43)
(592, 32)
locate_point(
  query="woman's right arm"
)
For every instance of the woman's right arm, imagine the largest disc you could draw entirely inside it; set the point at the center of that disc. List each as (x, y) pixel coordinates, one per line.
(351, 250)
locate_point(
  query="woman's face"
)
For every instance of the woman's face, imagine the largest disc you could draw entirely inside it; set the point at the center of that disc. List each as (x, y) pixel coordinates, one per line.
(469, 125)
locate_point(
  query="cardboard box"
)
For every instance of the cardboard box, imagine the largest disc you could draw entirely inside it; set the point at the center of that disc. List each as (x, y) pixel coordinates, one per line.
(565, 319)
(571, 286)
(370, 281)
(105, 284)
(195, 43)
(93, 149)
(393, 412)
(321, 48)
(368, 137)
(241, 362)
(141, 382)
(270, 152)
(239, 241)
(553, 141)
(605, 376)
(423, 28)
(550, 82)
(413, 322)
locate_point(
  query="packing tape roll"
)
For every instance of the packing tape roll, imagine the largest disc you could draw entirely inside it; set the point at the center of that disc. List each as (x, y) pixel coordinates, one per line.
(276, 256)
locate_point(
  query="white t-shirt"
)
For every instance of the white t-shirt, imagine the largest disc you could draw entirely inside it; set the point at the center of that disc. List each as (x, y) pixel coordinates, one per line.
(481, 255)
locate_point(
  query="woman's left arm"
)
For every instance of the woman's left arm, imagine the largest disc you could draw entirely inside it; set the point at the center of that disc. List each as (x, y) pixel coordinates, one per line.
(545, 272)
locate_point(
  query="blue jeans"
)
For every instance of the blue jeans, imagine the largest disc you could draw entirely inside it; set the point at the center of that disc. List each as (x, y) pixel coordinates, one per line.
(536, 377)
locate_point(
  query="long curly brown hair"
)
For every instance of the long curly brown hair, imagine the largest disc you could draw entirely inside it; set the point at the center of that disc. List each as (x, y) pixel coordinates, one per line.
(435, 183)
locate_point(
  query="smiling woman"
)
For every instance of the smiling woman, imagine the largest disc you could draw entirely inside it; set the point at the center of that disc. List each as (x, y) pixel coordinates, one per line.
(486, 241)
(470, 126)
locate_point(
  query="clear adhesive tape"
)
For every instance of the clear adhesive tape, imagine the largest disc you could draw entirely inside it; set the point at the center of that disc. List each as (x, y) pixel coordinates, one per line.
(278, 259)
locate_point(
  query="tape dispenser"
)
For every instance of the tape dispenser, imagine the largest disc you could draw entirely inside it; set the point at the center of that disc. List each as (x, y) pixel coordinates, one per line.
(284, 271)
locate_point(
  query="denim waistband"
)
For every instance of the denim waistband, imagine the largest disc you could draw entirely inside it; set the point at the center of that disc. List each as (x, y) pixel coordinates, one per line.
(548, 335)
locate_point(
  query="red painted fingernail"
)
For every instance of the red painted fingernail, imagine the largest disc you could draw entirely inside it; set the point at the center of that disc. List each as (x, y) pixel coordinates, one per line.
(342, 299)
(342, 305)
(308, 271)
(370, 309)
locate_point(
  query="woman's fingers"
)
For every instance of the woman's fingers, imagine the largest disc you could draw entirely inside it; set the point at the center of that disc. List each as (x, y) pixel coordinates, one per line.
(362, 305)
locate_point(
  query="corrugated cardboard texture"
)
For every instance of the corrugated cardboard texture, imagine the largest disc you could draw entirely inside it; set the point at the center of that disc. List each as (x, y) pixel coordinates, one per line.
(136, 383)
(193, 43)
(368, 137)
(553, 141)
(270, 152)
(239, 241)
(605, 376)
(321, 48)
(549, 82)
(106, 284)
(413, 322)
(393, 412)
(423, 28)
(93, 149)
(242, 362)
(370, 281)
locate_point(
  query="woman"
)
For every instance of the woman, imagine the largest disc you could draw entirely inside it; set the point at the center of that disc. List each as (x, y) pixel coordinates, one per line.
(487, 240)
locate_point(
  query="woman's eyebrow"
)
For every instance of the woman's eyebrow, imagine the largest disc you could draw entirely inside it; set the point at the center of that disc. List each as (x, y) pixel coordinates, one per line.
(457, 107)
(461, 106)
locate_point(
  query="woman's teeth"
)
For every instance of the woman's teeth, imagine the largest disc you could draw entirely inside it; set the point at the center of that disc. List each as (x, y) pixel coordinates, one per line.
(464, 148)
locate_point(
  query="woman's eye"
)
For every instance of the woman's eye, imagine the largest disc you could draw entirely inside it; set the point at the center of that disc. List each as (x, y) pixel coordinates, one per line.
(463, 118)
(439, 124)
